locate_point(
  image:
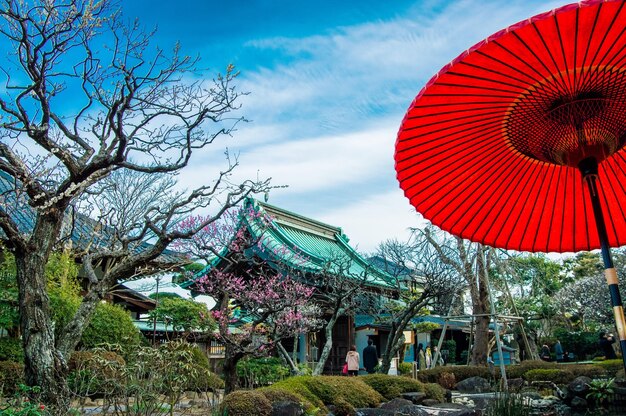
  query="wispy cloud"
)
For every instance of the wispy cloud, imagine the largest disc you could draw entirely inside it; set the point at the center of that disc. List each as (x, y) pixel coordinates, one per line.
(326, 109)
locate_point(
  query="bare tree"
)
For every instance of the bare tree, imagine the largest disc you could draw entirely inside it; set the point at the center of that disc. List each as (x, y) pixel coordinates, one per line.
(85, 96)
(420, 279)
(472, 262)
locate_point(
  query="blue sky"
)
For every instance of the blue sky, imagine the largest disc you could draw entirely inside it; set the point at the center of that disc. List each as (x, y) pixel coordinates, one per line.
(329, 84)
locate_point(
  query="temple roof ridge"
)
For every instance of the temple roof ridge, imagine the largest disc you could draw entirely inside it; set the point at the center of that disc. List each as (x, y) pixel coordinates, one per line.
(291, 219)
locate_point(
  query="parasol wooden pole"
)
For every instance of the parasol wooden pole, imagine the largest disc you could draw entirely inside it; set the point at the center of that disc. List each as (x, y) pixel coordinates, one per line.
(589, 169)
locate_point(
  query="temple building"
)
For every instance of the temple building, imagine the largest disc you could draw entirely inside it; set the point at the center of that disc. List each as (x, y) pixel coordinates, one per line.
(313, 248)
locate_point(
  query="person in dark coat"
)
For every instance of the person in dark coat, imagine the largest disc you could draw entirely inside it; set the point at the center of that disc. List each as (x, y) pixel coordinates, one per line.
(606, 345)
(370, 357)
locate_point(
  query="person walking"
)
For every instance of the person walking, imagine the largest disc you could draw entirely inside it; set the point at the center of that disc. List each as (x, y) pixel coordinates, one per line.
(429, 357)
(420, 357)
(370, 357)
(558, 351)
(353, 360)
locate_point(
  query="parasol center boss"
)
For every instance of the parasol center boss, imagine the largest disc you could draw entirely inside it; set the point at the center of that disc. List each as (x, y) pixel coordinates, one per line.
(570, 116)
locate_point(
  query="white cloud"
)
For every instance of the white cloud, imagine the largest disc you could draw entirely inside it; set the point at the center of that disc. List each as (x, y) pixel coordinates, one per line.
(324, 119)
(375, 218)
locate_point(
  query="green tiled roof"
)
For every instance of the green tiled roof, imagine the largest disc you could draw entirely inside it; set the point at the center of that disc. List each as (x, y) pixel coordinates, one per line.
(306, 244)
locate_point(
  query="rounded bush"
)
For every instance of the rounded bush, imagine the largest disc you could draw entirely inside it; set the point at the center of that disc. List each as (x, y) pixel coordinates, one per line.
(11, 350)
(343, 408)
(610, 366)
(549, 374)
(391, 387)
(275, 395)
(110, 324)
(405, 369)
(246, 403)
(434, 391)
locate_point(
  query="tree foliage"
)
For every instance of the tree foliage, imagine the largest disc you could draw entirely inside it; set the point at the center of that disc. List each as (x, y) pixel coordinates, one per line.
(110, 324)
(183, 315)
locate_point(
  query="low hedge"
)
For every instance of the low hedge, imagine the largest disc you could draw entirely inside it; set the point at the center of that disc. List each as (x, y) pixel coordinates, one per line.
(11, 375)
(246, 403)
(327, 390)
(276, 395)
(555, 375)
(518, 371)
(610, 366)
(434, 391)
(391, 387)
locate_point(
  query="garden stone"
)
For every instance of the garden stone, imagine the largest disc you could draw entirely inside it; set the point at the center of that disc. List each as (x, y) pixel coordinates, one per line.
(455, 409)
(578, 403)
(396, 404)
(412, 410)
(473, 385)
(287, 408)
(416, 397)
(579, 386)
(533, 395)
(430, 402)
(374, 412)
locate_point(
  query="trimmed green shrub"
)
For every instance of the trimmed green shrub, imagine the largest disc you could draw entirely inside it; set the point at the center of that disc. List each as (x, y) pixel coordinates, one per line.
(246, 403)
(297, 386)
(343, 408)
(434, 391)
(11, 376)
(275, 395)
(610, 366)
(549, 374)
(326, 390)
(391, 387)
(110, 324)
(331, 388)
(589, 370)
(517, 371)
(11, 350)
(405, 369)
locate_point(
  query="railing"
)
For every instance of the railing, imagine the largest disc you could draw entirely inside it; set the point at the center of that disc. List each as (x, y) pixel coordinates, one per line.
(216, 349)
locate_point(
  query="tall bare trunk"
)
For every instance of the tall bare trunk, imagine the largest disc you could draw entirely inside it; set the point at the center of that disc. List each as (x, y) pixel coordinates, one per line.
(481, 306)
(328, 345)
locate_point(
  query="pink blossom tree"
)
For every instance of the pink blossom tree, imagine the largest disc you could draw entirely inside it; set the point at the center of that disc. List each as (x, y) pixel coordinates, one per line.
(259, 296)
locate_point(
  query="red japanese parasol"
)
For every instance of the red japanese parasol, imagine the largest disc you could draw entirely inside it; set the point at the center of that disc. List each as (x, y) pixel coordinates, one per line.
(493, 147)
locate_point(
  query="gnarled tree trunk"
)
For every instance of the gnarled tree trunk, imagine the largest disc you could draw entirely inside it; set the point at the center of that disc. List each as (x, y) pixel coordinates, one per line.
(45, 367)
